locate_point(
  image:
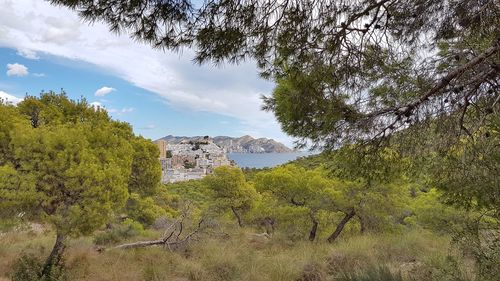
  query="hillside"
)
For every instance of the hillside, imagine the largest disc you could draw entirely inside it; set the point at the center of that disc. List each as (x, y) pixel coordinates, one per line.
(244, 144)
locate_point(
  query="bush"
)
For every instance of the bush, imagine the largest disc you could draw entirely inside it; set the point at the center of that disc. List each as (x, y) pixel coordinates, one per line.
(127, 229)
(29, 268)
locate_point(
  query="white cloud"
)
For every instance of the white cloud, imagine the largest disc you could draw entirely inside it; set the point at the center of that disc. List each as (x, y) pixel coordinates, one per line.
(16, 69)
(27, 53)
(9, 98)
(232, 90)
(60, 30)
(104, 91)
(121, 111)
(149, 127)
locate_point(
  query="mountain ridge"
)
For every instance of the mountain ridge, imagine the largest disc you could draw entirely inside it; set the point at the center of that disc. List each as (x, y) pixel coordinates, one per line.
(243, 144)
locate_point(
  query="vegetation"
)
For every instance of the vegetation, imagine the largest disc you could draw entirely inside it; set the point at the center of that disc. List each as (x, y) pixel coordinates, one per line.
(415, 255)
(229, 190)
(345, 70)
(334, 215)
(69, 165)
(403, 96)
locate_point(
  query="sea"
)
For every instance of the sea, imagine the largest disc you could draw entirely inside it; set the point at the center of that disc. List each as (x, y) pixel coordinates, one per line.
(263, 160)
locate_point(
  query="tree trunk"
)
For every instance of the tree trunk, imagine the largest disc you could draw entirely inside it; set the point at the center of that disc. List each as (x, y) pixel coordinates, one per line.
(340, 226)
(314, 229)
(362, 224)
(55, 255)
(238, 218)
(312, 233)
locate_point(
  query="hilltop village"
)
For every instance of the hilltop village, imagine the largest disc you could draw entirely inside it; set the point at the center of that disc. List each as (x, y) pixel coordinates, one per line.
(189, 160)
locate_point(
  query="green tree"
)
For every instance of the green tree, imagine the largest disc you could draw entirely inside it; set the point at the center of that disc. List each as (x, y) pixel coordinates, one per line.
(478, 160)
(76, 177)
(145, 203)
(230, 191)
(145, 175)
(10, 119)
(143, 209)
(68, 164)
(374, 204)
(376, 185)
(346, 70)
(429, 211)
(308, 191)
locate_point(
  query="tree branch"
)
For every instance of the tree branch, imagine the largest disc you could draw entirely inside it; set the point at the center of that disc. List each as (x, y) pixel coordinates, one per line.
(445, 81)
(162, 242)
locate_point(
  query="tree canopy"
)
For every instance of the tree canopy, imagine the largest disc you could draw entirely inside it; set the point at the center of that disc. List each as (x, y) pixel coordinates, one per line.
(346, 70)
(230, 190)
(69, 164)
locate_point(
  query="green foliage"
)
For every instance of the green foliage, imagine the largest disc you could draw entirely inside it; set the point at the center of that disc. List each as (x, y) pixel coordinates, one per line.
(73, 166)
(146, 169)
(230, 191)
(312, 161)
(316, 196)
(297, 193)
(428, 211)
(250, 173)
(479, 238)
(68, 164)
(119, 232)
(469, 171)
(9, 121)
(192, 191)
(75, 180)
(29, 268)
(354, 73)
(55, 109)
(143, 209)
(344, 72)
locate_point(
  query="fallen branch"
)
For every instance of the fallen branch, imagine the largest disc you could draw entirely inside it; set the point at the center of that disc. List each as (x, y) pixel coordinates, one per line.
(172, 236)
(166, 241)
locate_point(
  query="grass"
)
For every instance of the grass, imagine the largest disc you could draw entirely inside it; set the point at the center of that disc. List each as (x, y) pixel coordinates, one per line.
(414, 255)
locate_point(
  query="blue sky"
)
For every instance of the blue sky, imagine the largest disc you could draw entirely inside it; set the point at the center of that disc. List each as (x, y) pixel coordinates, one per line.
(43, 47)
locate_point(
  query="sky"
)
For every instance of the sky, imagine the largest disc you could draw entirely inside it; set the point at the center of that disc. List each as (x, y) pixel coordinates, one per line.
(45, 47)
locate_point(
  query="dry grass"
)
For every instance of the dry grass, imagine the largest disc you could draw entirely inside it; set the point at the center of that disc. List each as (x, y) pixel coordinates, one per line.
(241, 257)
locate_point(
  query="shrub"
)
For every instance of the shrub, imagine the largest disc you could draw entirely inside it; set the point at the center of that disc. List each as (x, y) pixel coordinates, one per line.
(127, 229)
(29, 268)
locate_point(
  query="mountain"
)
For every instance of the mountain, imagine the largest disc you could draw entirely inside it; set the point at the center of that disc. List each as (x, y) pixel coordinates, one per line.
(244, 144)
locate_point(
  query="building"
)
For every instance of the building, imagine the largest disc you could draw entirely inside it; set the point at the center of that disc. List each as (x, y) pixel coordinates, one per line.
(190, 160)
(162, 146)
